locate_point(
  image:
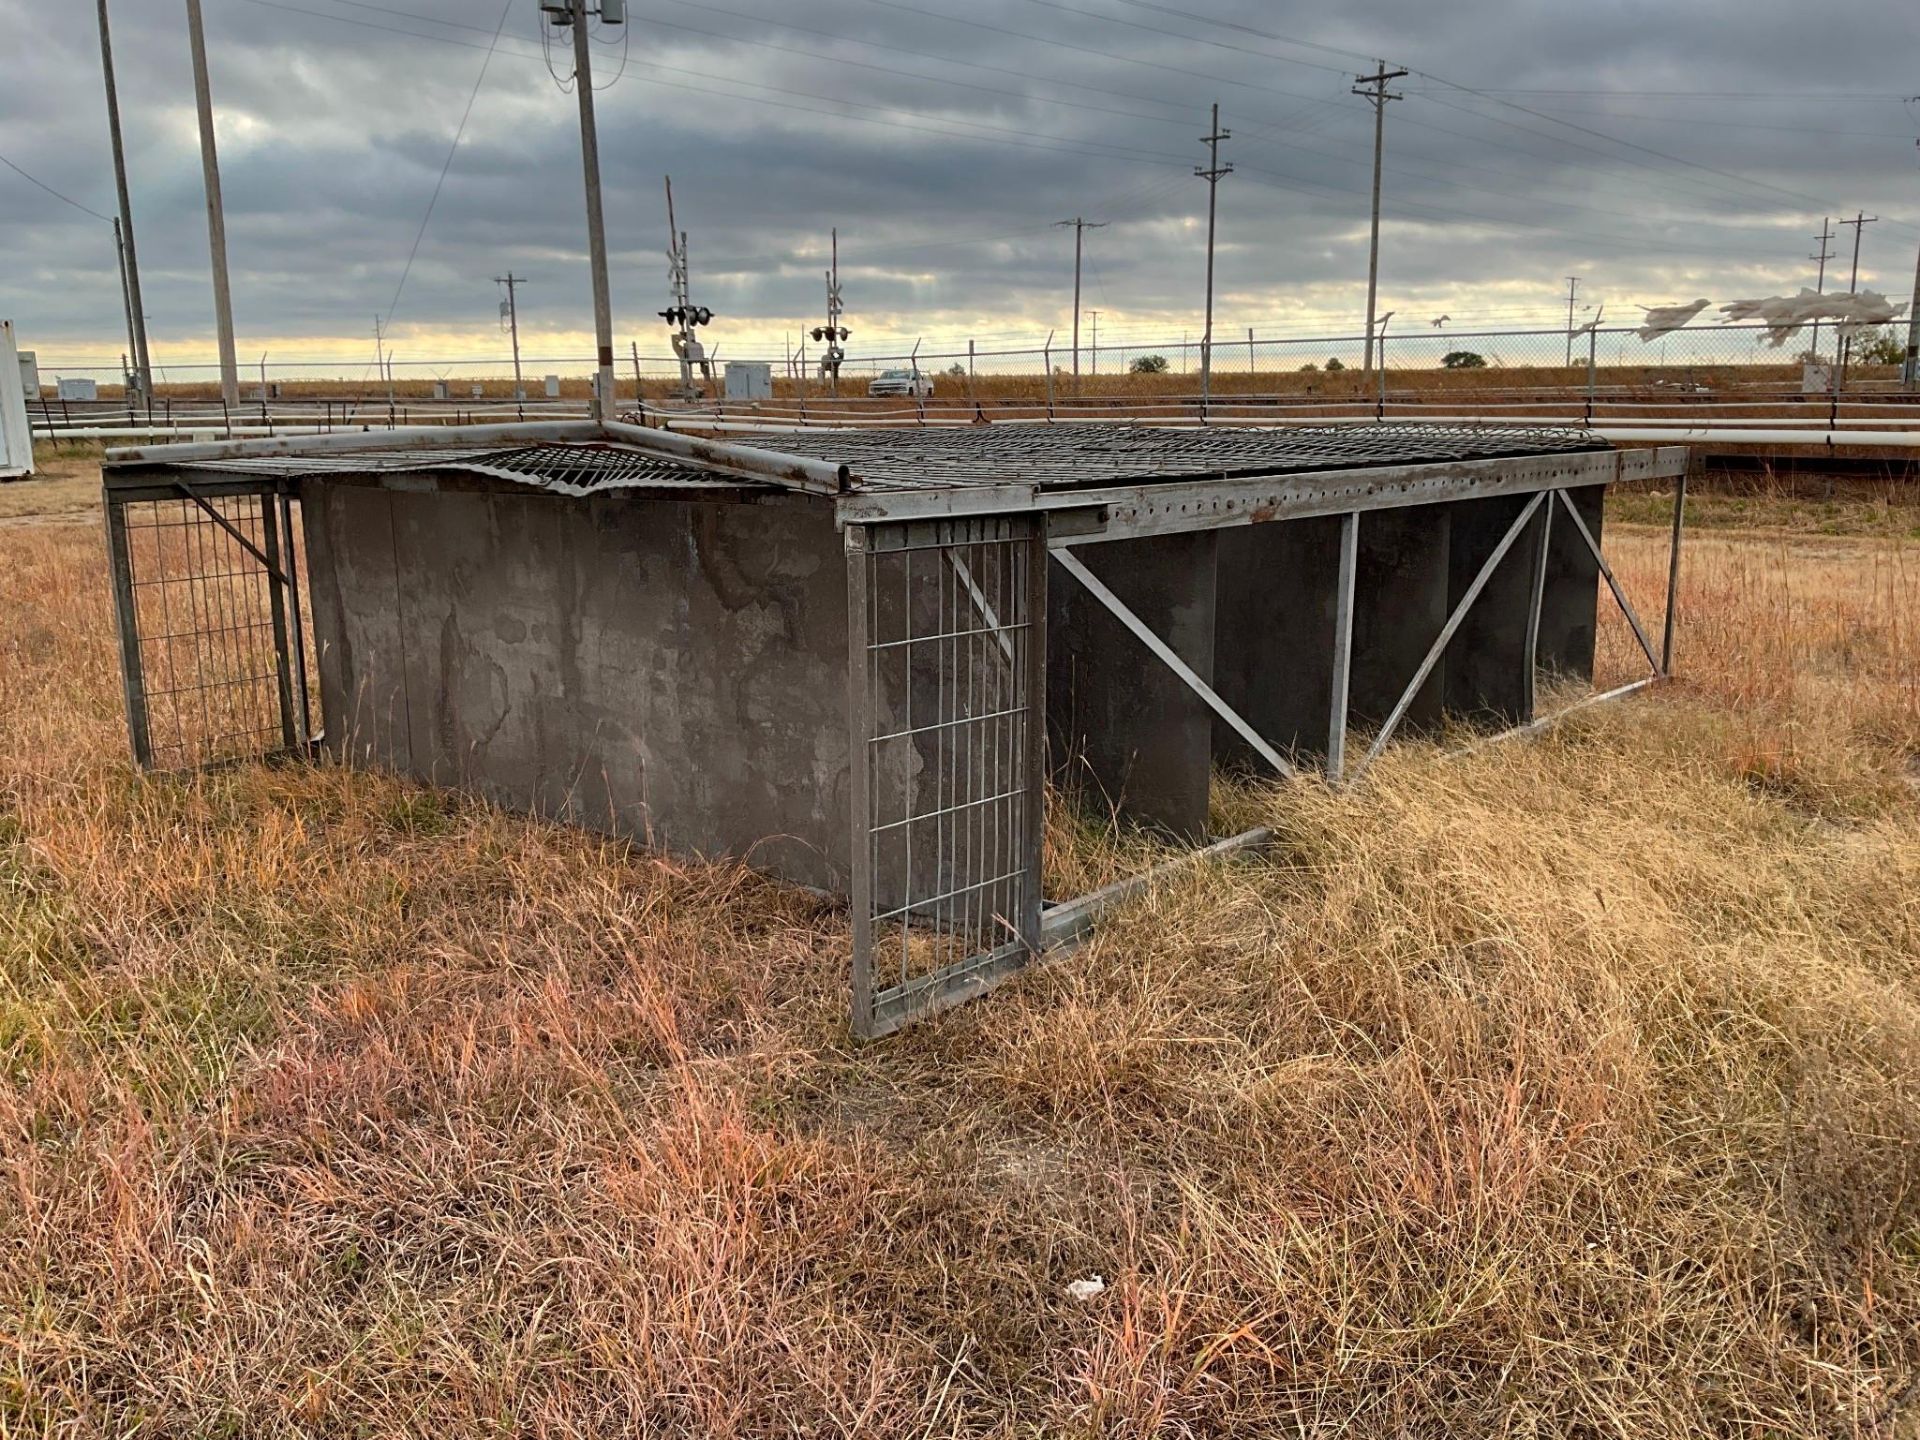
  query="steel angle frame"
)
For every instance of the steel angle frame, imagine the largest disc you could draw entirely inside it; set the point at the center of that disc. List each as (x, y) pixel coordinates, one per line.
(1660, 663)
(946, 678)
(205, 584)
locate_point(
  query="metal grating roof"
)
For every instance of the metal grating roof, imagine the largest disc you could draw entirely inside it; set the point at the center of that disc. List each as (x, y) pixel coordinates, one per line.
(1046, 456)
(1061, 456)
(571, 469)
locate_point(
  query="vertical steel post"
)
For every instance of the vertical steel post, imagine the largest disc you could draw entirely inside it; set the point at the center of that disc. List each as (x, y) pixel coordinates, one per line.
(1033, 843)
(1342, 647)
(1380, 356)
(1673, 575)
(1593, 366)
(133, 680)
(277, 606)
(1534, 604)
(860, 728)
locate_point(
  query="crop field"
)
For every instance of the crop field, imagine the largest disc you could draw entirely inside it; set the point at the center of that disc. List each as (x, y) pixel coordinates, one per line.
(1570, 1087)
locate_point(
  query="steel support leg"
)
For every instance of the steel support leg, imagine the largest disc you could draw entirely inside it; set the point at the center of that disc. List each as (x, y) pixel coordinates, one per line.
(1342, 647)
(1673, 574)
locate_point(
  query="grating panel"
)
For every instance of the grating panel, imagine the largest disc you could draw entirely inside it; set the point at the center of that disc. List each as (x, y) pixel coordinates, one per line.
(949, 624)
(1046, 455)
(210, 650)
(572, 469)
(1075, 455)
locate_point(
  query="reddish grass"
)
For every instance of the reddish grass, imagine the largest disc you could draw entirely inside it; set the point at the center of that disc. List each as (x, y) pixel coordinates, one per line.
(1572, 1088)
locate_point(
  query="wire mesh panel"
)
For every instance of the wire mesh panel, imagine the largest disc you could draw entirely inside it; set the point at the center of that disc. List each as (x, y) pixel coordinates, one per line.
(210, 621)
(947, 654)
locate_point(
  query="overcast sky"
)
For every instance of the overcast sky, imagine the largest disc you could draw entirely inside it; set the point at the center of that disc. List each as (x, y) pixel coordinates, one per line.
(1698, 147)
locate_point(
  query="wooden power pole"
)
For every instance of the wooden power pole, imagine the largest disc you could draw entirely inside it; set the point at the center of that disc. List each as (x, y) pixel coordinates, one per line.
(216, 212)
(1373, 88)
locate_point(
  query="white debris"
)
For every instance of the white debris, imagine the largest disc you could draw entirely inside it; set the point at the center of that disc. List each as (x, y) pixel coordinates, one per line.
(1593, 324)
(1786, 315)
(1664, 318)
(1087, 1289)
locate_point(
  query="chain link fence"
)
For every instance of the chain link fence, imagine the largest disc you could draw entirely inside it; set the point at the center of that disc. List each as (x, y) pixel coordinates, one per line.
(1705, 371)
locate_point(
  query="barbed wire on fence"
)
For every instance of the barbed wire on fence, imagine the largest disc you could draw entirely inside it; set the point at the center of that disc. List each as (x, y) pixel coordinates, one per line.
(1734, 357)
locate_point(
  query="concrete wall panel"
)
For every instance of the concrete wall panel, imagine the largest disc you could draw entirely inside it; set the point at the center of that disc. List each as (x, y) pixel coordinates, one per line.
(1273, 646)
(1489, 679)
(673, 671)
(1121, 725)
(1400, 608)
(1569, 605)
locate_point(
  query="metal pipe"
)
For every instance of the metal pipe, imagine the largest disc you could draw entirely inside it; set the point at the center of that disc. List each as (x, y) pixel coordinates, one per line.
(748, 460)
(347, 441)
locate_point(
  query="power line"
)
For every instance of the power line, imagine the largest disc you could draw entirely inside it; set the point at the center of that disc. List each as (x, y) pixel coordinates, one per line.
(1491, 96)
(1085, 50)
(64, 199)
(1769, 97)
(1194, 39)
(910, 75)
(452, 149)
(786, 24)
(1067, 145)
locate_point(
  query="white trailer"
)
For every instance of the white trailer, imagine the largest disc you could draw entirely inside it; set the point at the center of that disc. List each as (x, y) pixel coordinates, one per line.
(16, 440)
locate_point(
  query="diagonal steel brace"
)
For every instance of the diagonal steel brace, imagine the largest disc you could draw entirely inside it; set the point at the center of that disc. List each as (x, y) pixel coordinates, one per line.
(1167, 656)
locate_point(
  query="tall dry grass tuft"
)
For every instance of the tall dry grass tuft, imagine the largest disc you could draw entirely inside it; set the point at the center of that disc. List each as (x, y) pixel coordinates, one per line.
(1570, 1088)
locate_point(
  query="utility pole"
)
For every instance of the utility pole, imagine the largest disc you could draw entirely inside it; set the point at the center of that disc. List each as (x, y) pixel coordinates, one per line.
(576, 16)
(1211, 173)
(1859, 222)
(1377, 95)
(126, 299)
(1820, 283)
(1080, 227)
(1573, 291)
(142, 363)
(1910, 372)
(512, 309)
(382, 364)
(216, 211)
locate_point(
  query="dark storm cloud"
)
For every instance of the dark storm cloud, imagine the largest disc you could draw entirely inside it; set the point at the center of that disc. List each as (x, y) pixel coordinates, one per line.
(943, 141)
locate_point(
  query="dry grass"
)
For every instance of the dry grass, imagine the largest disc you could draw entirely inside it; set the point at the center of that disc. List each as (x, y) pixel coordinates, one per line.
(1571, 1089)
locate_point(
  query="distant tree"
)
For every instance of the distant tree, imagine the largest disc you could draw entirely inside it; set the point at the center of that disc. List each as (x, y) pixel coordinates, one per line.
(957, 370)
(1333, 363)
(1879, 347)
(1149, 365)
(1463, 360)
(1310, 366)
